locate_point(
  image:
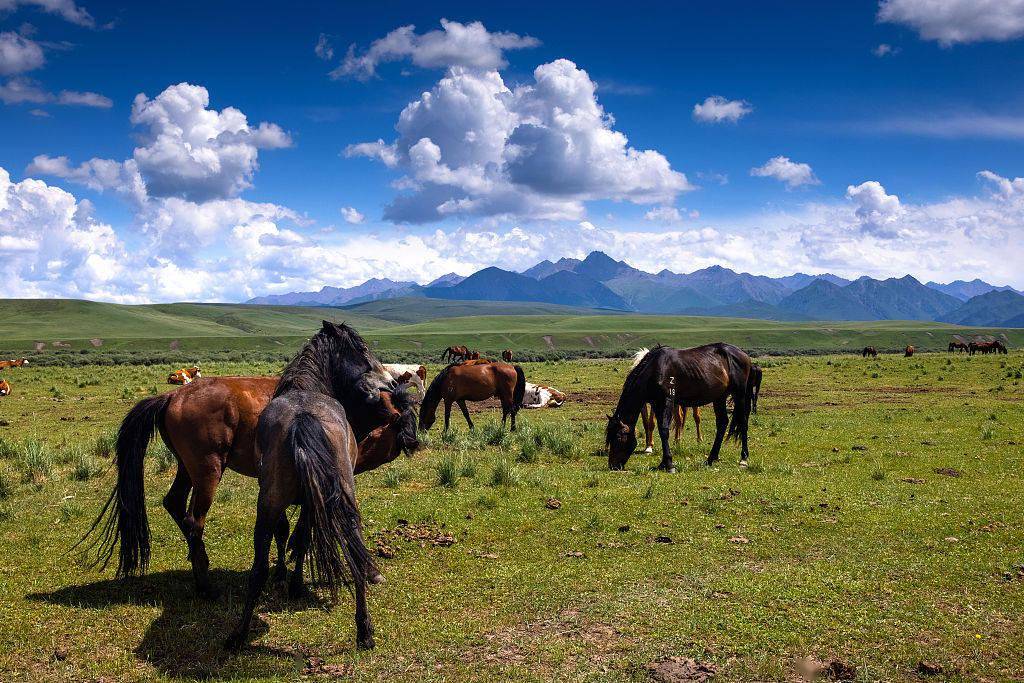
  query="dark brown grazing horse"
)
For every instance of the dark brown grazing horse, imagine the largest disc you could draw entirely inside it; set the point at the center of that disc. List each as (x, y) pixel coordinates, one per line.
(210, 426)
(869, 351)
(5, 388)
(649, 421)
(506, 355)
(13, 363)
(666, 377)
(957, 346)
(909, 351)
(986, 347)
(474, 382)
(307, 453)
(454, 354)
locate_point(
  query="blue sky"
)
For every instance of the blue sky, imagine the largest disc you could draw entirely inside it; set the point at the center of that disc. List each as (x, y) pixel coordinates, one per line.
(857, 138)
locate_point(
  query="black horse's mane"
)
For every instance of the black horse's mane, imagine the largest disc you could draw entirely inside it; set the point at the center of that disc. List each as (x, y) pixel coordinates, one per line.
(315, 365)
(433, 392)
(632, 397)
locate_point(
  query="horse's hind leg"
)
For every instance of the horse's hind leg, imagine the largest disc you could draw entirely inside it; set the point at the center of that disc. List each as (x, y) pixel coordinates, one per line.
(300, 543)
(679, 422)
(176, 500)
(281, 539)
(268, 514)
(664, 409)
(721, 422)
(696, 423)
(202, 499)
(465, 413)
(647, 416)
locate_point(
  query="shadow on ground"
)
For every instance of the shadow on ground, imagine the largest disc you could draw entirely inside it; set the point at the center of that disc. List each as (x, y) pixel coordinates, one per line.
(187, 639)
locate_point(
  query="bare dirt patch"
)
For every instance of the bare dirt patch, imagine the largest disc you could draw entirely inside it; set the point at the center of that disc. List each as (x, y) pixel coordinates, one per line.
(175, 345)
(681, 670)
(550, 341)
(97, 342)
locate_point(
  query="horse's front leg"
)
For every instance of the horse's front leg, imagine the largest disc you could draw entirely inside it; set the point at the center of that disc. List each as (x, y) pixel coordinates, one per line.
(721, 421)
(465, 413)
(664, 411)
(447, 413)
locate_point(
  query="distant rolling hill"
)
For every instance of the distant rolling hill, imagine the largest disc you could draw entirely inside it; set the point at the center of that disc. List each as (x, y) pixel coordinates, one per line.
(416, 310)
(997, 308)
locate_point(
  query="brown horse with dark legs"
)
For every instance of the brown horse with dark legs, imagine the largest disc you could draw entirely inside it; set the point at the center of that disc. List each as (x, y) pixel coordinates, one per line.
(474, 382)
(909, 351)
(307, 453)
(506, 355)
(210, 425)
(454, 354)
(869, 351)
(667, 377)
(957, 346)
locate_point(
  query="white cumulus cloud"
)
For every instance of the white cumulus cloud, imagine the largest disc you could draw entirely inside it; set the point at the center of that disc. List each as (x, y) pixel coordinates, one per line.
(352, 215)
(67, 10)
(26, 91)
(783, 169)
(1005, 187)
(877, 211)
(717, 109)
(19, 54)
(456, 44)
(957, 21)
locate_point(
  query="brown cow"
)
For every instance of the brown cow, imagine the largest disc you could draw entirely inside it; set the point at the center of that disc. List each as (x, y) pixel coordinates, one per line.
(908, 352)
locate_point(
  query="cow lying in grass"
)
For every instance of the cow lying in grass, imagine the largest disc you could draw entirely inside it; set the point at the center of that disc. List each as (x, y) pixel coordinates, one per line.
(184, 376)
(540, 396)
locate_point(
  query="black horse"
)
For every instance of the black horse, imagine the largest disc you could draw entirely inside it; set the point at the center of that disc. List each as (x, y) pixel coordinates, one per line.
(667, 377)
(308, 452)
(869, 351)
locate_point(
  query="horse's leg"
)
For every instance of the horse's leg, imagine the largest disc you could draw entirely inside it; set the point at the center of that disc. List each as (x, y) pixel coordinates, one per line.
(300, 543)
(648, 419)
(199, 507)
(696, 422)
(447, 413)
(465, 413)
(721, 422)
(514, 410)
(268, 514)
(176, 500)
(679, 422)
(281, 539)
(662, 408)
(504, 412)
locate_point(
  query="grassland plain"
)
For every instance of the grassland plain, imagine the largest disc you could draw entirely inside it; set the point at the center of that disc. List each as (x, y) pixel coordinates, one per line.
(878, 524)
(83, 332)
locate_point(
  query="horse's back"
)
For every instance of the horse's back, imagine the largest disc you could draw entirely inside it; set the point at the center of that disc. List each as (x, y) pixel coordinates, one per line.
(281, 415)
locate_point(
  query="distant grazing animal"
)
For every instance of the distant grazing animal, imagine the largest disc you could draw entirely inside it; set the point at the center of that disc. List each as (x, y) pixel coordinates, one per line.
(506, 355)
(1001, 347)
(869, 351)
(416, 374)
(184, 376)
(908, 352)
(454, 354)
(13, 363)
(5, 388)
(308, 453)
(666, 377)
(540, 396)
(957, 346)
(474, 382)
(473, 355)
(986, 347)
(210, 426)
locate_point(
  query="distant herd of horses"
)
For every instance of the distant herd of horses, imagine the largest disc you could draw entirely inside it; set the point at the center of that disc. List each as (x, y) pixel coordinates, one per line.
(336, 411)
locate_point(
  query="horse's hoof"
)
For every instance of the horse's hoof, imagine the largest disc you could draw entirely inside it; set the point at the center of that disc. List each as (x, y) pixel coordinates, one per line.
(743, 463)
(280, 576)
(649, 449)
(376, 579)
(298, 591)
(365, 643)
(234, 642)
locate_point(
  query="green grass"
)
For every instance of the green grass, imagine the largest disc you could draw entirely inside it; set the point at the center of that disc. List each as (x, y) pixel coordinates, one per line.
(878, 523)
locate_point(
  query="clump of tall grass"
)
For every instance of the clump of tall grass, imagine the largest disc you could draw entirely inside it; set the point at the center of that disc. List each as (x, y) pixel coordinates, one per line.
(162, 457)
(7, 484)
(448, 471)
(104, 445)
(35, 461)
(85, 466)
(504, 474)
(394, 477)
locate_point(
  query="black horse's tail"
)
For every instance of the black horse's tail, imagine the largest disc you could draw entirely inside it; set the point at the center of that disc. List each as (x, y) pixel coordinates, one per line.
(123, 518)
(741, 389)
(331, 506)
(519, 393)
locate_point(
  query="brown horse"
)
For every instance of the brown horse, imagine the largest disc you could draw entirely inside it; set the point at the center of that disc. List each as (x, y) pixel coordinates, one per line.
(474, 382)
(957, 346)
(869, 351)
(454, 354)
(5, 388)
(986, 347)
(13, 363)
(506, 355)
(909, 351)
(210, 426)
(307, 453)
(666, 377)
(678, 422)
(473, 355)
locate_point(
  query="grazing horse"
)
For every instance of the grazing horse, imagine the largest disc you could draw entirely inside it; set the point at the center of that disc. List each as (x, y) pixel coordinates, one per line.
(454, 354)
(308, 453)
(1001, 347)
(909, 351)
(474, 355)
(986, 347)
(416, 374)
(540, 396)
(5, 388)
(666, 377)
(16, 363)
(210, 426)
(474, 382)
(958, 346)
(184, 376)
(869, 351)
(506, 355)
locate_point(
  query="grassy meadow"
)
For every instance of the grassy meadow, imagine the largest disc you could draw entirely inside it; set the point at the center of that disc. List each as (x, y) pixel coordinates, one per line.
(878, 527)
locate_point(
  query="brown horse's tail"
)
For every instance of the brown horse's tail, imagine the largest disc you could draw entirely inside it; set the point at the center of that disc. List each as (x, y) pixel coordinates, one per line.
(519, 393)
(123, 518)
(741, 389)
(331, 506)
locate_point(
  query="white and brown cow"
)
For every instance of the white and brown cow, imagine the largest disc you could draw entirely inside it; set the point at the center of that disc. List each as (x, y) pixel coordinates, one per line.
(417, 374)
(540, 396)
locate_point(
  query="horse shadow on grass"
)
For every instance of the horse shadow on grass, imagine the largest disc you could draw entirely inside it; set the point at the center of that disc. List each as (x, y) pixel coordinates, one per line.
(187, 639)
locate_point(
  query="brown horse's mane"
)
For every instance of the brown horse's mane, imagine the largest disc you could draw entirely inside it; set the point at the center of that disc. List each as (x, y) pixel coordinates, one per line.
(432, 396)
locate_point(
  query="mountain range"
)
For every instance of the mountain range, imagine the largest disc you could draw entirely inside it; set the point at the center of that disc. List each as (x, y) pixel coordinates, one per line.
(600, 282)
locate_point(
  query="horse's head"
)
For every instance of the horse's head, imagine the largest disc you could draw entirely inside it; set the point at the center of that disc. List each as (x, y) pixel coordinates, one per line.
(621, 441)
